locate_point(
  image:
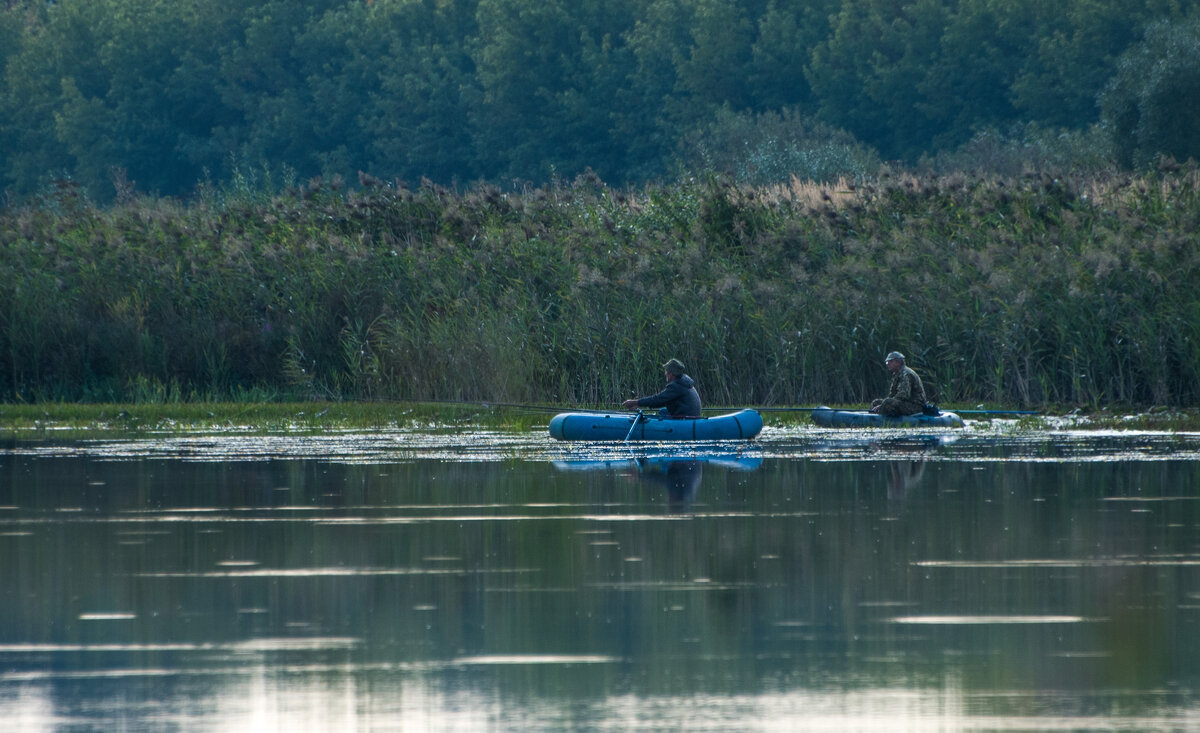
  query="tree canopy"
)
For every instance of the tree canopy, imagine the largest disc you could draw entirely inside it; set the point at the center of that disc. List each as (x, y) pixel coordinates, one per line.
(162, 95)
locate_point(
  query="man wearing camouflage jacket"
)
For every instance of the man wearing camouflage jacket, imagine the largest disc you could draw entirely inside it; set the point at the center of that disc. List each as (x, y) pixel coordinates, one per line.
(906, 395)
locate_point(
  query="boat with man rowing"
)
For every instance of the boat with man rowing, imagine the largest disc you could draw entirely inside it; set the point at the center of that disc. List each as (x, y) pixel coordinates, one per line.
(740, 425)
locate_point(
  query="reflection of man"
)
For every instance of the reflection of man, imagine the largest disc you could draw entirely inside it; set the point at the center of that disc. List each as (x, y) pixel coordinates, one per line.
(682, 479)
(906, 394)
(905, 475)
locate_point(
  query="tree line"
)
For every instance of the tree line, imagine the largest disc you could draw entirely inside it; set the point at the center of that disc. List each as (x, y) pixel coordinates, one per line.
(159, 95)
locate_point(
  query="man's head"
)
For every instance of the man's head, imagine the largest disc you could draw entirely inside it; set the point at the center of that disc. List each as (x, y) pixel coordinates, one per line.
(894, 361)
(674, 368)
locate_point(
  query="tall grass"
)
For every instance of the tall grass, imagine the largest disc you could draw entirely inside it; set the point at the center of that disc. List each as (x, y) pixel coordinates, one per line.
(1022, 291)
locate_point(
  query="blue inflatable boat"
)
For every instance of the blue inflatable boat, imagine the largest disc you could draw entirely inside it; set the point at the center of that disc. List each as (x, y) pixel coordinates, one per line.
(743, 424)
(827, 417)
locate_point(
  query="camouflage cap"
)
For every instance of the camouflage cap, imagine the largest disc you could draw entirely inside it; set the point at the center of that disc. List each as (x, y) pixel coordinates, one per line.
(895, 355)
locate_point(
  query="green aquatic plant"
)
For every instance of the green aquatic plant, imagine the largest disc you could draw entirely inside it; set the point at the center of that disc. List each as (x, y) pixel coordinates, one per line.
(1023, 291)
(62, 419)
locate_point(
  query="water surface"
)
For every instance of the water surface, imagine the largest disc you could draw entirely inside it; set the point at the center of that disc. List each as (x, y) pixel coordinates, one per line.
(421, 579)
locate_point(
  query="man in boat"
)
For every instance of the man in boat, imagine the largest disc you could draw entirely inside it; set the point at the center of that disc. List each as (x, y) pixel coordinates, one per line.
(906, 395)
(678, 399)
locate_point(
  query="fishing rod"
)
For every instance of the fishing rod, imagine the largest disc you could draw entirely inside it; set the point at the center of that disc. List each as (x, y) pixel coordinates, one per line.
(511, 406)
(847, 409)
(553, 408)
(768, 409)
(994, 412)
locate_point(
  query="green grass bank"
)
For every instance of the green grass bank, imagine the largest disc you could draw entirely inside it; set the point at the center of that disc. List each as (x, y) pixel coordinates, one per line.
(1017, 291)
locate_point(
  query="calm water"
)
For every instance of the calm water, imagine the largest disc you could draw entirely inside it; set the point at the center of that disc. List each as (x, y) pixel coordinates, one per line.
(817, 580)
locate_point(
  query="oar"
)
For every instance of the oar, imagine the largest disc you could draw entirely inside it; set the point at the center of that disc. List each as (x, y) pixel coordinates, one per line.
(636, 418)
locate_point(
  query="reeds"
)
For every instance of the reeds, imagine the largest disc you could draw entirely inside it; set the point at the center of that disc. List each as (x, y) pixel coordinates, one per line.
(1026, 291)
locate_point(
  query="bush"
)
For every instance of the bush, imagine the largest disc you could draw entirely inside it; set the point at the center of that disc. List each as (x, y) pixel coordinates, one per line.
(1151, 108)
(770, 148)
(1027, 148)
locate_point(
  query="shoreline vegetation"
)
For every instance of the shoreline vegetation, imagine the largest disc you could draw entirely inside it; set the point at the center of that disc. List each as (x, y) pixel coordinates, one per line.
(1035, 291)
(74, 420)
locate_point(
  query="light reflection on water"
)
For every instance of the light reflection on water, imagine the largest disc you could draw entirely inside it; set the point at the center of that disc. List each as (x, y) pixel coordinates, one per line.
(987, 620)
(304, 699)
(981, 442)
(815, 580)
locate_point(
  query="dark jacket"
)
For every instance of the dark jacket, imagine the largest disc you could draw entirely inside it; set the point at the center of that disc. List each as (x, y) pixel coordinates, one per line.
(679, 397)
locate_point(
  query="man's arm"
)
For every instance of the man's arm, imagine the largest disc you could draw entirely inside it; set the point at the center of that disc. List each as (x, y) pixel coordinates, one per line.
(669, 394)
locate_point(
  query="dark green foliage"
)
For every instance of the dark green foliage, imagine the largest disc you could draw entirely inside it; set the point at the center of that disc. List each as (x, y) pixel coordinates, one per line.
(1022, 149)
(917, 77)
(773, 148)
(1152, 106)
(1072, 54)
(156, 96)
(1034, 290)
(868, 75)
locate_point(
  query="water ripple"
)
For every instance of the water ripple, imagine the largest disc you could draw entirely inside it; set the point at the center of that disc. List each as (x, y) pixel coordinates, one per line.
(978, 443)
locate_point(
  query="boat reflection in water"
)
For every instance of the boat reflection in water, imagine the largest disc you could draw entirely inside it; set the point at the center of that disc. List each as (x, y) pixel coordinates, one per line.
(679, 474)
